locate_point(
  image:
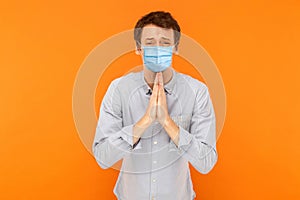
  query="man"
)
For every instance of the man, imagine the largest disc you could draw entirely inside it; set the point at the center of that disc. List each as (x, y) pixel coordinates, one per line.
(157, 120)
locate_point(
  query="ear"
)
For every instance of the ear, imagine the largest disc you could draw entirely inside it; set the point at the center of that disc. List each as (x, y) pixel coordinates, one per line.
(175, 50)
(138, 50)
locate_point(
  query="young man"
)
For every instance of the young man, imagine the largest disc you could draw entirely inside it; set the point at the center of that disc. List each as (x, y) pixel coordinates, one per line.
(157, 120)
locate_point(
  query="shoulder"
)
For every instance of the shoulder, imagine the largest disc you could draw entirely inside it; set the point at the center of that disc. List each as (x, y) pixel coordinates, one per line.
(127, 82)
(195, 84)
(130, 77)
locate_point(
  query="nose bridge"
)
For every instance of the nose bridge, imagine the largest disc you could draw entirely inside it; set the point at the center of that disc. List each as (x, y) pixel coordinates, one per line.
(158, 38)
(157, 42)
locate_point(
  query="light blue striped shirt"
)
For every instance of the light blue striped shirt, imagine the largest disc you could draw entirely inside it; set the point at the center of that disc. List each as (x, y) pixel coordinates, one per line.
(155, 168)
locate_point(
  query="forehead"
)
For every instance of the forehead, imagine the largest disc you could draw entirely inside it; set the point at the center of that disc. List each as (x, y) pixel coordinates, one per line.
(153, 31)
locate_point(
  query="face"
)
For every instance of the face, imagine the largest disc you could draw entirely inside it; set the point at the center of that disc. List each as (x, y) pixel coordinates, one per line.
(153, 35)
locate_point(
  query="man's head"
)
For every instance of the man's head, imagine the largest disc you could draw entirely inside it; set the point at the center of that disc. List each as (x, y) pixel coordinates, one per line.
(157, 37)
(156, 28)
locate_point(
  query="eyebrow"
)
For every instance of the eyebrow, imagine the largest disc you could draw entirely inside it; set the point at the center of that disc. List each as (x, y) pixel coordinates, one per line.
(161, 37)
(165, 38)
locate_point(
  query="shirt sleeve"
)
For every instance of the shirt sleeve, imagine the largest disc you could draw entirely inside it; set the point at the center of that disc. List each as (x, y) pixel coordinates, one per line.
(199, 145)
(112, 140)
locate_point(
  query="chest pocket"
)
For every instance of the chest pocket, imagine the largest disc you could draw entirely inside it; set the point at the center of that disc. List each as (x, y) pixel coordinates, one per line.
(182, 120)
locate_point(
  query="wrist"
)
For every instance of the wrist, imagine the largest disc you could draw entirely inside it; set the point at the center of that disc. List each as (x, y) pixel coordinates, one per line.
(145, 122)
(172, 129)
(139, 128)
(167, 122)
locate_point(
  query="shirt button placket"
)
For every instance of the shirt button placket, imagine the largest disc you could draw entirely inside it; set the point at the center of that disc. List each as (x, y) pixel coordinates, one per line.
(154, 163)
(154, 185)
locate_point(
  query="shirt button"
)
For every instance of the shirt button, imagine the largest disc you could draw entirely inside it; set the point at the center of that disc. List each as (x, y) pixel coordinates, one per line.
(154, 161)
(153, 180)
(155, 142)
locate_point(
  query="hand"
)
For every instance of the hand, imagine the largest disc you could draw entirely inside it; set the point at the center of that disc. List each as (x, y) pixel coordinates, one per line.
(157, 109)
(162, 113)
(150, 114)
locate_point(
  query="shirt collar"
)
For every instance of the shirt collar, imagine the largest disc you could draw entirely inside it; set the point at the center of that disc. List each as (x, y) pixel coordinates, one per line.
(168, 86)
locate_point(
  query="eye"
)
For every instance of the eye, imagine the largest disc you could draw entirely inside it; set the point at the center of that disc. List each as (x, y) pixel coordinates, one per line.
(149, 43)
(165, 43)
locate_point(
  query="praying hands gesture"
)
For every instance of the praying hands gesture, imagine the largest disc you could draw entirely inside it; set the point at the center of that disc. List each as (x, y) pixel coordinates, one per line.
(157, 110)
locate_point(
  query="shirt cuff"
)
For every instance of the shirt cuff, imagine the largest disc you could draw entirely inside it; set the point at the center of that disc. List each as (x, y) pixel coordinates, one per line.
(184, 140)
(127, 135)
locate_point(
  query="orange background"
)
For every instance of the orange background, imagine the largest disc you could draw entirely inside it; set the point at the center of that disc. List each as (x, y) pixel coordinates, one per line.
(254, 44)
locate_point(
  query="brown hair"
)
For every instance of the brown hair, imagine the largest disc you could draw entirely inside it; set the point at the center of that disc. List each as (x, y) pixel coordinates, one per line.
(158, 18)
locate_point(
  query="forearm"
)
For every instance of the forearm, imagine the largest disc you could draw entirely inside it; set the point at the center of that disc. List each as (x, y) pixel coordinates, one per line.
(139, 128)
(202, 156)
(107, 154)
(172, 130)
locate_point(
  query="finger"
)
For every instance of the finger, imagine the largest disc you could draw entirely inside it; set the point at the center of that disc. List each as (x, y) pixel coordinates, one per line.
(161, 87)
(157, 76)
(160, 94)
(155, 82)
(159, 97)
(160, 79)
(155, 89)
(160, 82)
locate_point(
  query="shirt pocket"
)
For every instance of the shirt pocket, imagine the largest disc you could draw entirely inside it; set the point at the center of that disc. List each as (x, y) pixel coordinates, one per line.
(183, 120)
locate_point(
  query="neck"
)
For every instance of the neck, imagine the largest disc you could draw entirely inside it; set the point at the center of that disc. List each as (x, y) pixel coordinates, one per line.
(149, 76)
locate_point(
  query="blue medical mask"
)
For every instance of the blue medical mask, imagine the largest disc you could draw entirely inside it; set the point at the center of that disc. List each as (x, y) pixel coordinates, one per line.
(157, 58)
